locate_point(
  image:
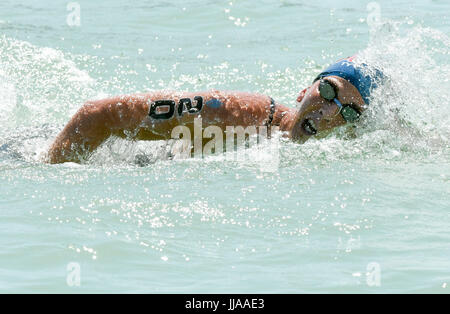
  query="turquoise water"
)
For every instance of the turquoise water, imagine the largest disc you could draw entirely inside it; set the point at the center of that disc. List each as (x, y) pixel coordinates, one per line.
(367, 212)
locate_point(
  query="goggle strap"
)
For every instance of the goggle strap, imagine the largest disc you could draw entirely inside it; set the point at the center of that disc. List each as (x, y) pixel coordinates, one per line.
(338, 103)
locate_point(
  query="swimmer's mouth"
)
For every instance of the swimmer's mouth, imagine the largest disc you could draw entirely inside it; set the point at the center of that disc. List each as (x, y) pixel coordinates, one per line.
(309, 127)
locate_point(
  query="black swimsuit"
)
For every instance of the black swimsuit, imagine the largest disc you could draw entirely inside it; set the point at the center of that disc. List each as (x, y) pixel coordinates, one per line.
(270, 119)
(272, 112)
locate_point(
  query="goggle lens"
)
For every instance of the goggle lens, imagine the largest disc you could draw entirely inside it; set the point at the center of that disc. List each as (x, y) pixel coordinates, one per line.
(328, 92)
(349, 114)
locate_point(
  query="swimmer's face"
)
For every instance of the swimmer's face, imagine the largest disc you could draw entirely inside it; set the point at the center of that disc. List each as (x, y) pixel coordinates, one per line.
(317, 115)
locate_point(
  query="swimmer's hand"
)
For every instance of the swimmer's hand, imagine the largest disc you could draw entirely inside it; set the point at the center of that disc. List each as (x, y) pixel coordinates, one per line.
(94, 122)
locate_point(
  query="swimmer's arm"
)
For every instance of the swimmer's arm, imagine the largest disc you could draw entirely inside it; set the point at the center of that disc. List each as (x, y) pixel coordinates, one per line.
(127, 116)
(94, 122)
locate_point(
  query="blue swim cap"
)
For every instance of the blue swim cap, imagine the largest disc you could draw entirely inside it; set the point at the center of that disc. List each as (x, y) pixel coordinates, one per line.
(353, 73)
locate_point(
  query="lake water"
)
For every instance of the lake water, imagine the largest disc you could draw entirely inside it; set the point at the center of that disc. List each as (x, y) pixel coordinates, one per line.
(367, 213)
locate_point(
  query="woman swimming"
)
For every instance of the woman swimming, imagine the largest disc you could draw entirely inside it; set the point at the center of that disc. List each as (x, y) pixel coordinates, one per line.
(337, 96)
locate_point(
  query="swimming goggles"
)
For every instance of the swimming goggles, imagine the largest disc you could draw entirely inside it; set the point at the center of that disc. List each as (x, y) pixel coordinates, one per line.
(347, 111)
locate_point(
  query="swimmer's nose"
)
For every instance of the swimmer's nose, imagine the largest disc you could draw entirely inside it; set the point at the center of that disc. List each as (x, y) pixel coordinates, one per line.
(328, 112)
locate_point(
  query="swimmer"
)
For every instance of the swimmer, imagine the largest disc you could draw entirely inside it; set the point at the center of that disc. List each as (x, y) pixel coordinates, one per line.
(338, 95)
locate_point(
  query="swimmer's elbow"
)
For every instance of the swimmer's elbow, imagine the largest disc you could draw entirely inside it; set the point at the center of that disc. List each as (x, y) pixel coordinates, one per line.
(90, 110)
(92, 120)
